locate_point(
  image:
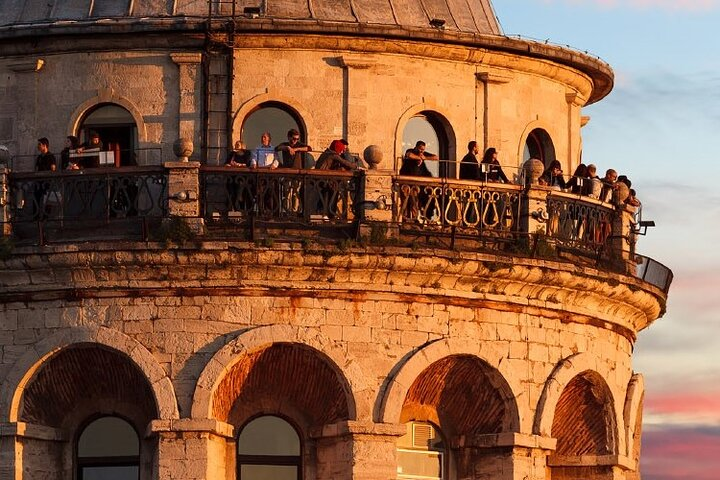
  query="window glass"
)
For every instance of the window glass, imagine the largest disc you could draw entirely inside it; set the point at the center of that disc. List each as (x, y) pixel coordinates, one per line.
(268, 472)
(108, 437)
(269, 117)
(421, 453)
(268, 435)
(111, 473)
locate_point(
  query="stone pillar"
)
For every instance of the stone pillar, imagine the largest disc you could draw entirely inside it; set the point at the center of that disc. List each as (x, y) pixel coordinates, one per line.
(37, 449)
(28, 110)
(357, 451)
(184, 193)
(189, 95)
(504, 456)
(534, 216)
(622, 239)
(377, 224)
(193, 449)
(489, 103)
(575, 102)
(357, 78)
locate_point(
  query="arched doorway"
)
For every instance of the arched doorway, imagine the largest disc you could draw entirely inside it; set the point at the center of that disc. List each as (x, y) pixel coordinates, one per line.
(274, 117)
(539, 145)
(117, 130)
(108, 448)
(433, 129)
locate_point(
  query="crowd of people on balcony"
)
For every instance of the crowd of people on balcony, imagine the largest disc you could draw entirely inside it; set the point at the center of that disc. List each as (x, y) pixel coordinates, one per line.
(74, 155)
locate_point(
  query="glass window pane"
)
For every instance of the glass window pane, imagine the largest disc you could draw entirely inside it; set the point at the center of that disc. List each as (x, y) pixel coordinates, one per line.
(268, 435)
(108, 437)
(110, 473)
(268, 472)
(267, 119)
(419, 128)
(109, 115)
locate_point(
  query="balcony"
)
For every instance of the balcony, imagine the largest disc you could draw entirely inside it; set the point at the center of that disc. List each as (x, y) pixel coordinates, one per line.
(183, 200)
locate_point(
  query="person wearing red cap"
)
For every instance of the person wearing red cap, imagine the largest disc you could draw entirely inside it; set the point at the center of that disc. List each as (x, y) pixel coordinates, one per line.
(331, 158)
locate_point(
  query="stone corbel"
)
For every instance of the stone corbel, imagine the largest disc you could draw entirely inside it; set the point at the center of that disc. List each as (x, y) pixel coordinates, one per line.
(574, 98)
(507, 439)
(206, 425)
(27, 66)
(351, 427)
(360, 62)
(492, 77)
(185, 58)
(584, 120)
(620, 461)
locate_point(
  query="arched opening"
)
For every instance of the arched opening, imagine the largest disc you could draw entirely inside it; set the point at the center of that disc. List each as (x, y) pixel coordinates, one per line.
(108, 448)
(433, 129)
(539, 145)
(269, 447)
(274, 117)
(584, 426)
(117, 130)
(464, 398)
(422, 452)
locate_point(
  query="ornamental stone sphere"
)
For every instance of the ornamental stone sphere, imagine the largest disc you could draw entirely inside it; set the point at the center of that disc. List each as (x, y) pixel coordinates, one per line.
(183, 148)
(621, 193)
(533, 170)
(373, 156)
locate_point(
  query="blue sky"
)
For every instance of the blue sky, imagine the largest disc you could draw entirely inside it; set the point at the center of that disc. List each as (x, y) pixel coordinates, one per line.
(658, 127)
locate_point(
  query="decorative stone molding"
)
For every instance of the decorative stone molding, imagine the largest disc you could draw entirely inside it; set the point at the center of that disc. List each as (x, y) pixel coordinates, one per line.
(344, 428)
(505, 439)
(493, 77)
(205, 425)
(28, 66)
(590, 461)
(186, 58)
(30, 430)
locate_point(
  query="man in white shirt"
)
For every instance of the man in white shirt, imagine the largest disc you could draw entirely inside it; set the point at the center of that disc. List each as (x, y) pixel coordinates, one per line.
(264, 155)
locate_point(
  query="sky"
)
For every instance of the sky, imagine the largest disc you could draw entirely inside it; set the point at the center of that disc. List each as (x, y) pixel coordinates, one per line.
(658, 127)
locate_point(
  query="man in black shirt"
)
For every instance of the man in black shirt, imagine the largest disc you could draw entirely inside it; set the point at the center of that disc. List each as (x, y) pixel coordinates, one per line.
(414, 161)
(293, 151)
(45, 162)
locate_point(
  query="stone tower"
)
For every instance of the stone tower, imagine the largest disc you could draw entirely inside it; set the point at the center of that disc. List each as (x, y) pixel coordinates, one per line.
(166, 317)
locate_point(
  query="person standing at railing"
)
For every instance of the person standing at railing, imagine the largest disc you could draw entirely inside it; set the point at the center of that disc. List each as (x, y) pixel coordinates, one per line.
(595, 183)
(579, 184)
(293, 151)
(264, 155)
(42, 191)
(609, 185)
(469, 165)
(71, 144)
(332, 159)
(553, 176)
(495, 173)
(415, 199)
(45, 161)
(414, 161)
(239, 157)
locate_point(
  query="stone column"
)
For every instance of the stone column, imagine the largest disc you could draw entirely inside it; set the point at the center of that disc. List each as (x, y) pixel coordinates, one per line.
(534, 216)
(377, 225)
(189, 95)
(504, 456)
(575, 102)
(27, 448)
(184, 193)
(489, 104)
(622, 239)
(27, 110)
(357, 77)
(357, 451)
(192, 449)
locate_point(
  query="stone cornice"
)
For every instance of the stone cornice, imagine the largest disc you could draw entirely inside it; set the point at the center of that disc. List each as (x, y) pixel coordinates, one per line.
(568, 292)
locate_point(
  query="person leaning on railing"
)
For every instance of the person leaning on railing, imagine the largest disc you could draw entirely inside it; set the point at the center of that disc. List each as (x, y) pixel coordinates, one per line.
(292, 152)
(71, 144)
(264, 155)
(331, 158)
(495, 173)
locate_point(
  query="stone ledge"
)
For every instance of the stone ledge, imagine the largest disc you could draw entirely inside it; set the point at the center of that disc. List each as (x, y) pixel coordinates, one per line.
(208, 425)
(591, 461)
(358, 428)
(30, 430)
(506, 439)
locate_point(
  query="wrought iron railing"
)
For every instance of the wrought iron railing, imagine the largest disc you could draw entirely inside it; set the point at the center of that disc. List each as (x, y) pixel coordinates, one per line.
(279, 196)
(579, 223)
(100, 203)
(458, 208)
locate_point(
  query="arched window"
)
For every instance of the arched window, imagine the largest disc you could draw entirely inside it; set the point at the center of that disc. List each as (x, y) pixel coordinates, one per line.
(108, 449)
(539, 145)
(421, 453)
(269, 449)
(117, 130)
(274, 117)
(433, 129)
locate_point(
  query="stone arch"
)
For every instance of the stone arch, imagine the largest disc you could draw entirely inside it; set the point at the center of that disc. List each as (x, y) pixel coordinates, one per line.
(34, 359)
(632, 416)
(108, 96)
(425, 106)
(346, 371)
(531, 127)
(564, 373)
(392, 397)
(304, 115)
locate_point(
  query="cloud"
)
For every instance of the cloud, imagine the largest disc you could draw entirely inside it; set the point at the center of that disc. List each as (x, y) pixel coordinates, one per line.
(680, 452)
(700, 408)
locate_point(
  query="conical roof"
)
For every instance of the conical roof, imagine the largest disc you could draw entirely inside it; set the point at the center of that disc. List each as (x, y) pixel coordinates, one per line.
(470, 16)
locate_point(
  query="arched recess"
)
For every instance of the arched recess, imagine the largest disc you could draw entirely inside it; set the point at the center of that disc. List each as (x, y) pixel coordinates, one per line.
(113, 344)
(536, 142)
(584, 422)
(633, 414)
(439, 123)
(230, 369)
(302, 116)
(108, 96)
(451, 357)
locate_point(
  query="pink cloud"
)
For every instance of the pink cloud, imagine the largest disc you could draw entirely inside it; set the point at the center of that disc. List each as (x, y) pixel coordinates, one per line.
(705, 402)
(681, 453)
